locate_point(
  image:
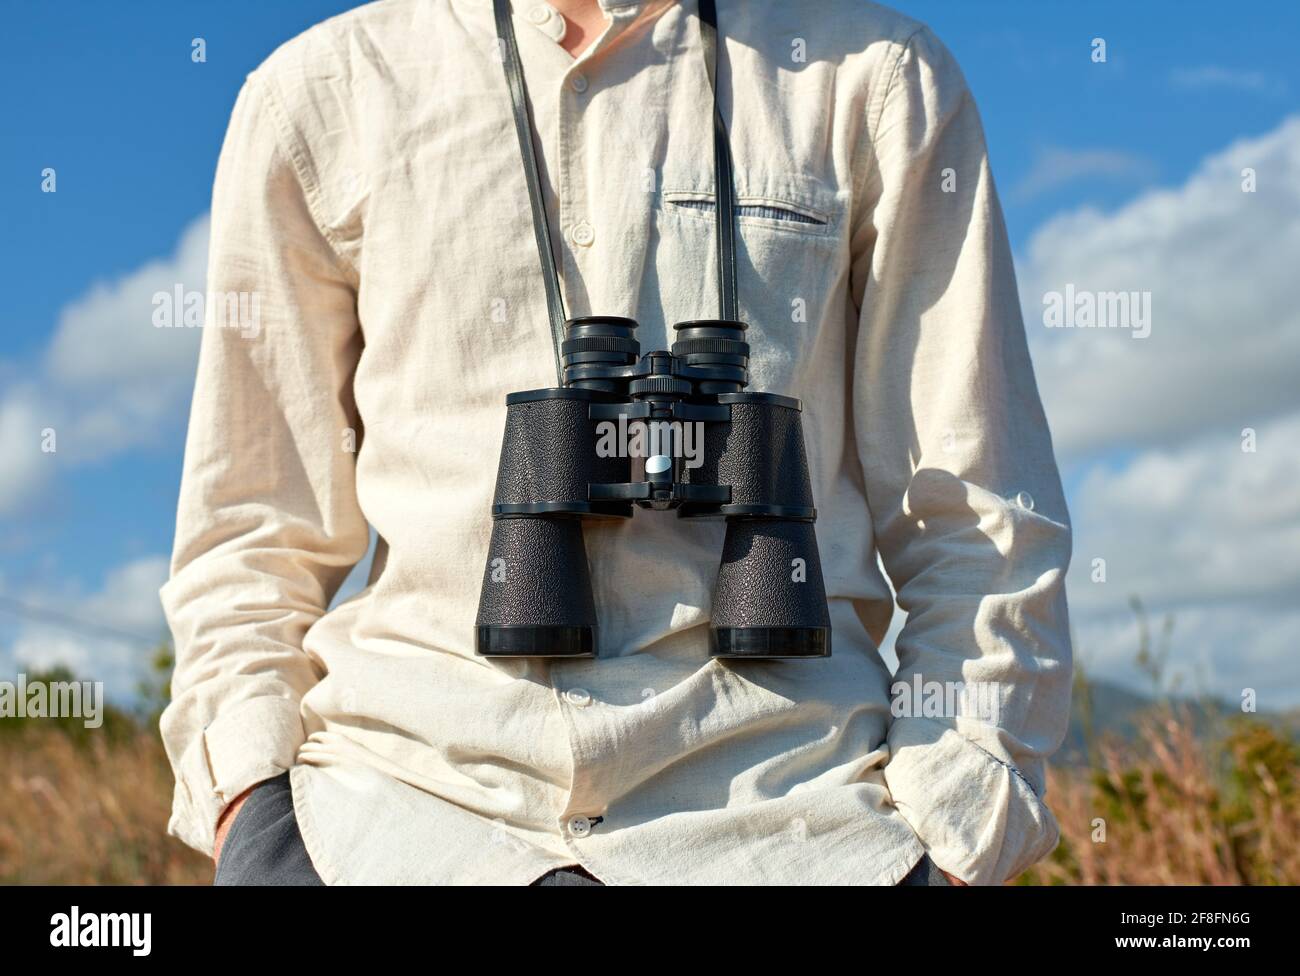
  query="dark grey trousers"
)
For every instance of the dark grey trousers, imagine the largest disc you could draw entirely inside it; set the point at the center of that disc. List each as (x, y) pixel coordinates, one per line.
(264, 847)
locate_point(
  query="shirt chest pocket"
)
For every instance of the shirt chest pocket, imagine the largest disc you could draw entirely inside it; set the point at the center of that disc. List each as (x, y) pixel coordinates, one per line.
(770, 213)
(789, 250)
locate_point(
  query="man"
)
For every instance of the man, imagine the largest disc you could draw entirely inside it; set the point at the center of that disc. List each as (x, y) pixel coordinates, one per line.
(370, 190)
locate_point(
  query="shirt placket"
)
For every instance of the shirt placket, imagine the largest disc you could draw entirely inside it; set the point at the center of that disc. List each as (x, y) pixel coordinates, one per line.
(580, 256)
(575, 684)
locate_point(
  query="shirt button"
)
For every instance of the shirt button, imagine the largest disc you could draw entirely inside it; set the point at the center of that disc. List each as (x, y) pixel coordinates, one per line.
(578, 83)
(580, 697)
(540, 14)
(579, 826)
(583, 234)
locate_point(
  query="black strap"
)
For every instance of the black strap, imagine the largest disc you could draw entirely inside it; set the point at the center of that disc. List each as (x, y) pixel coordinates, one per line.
(725, 206)
(524, 129)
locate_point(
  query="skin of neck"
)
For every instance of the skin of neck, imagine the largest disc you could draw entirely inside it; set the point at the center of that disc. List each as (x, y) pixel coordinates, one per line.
(583, 23)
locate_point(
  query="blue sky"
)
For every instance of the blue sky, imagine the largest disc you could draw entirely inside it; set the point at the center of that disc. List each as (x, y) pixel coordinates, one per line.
(107, 94)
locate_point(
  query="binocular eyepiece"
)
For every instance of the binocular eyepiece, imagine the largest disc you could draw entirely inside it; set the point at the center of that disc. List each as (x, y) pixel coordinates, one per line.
(615, 437)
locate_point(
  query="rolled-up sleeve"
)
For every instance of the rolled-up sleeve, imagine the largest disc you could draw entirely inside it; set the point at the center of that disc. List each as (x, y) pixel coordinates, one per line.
(268, 524)
(968, 511)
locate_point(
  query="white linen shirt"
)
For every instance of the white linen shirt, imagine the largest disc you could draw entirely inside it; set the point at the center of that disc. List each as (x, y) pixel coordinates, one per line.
(370, 193)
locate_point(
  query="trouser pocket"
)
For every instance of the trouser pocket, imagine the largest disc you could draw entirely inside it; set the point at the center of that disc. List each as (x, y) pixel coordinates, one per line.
(264, 845)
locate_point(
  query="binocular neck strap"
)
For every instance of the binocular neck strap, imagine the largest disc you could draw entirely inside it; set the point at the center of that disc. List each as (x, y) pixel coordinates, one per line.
(509, 51)
(725, 194)
(725, 202)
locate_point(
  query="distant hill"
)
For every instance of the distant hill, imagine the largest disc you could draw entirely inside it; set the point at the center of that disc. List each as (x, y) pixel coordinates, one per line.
(1117, 710)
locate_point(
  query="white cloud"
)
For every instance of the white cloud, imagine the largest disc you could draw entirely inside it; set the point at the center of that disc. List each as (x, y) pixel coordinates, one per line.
(129, 599)
(25, 467)
(108, 380)
(1206, 533)
(1220, 265)
(1184, 519)
(106, 338)
(1199, 524)
(1220, 650)
(126, 603)
(1053, 168)
(41, 648)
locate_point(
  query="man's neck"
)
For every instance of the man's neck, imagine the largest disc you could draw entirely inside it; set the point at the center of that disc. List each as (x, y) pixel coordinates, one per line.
(583, 23)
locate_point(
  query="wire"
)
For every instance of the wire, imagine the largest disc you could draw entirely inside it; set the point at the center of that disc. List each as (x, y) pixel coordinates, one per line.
(69, 622)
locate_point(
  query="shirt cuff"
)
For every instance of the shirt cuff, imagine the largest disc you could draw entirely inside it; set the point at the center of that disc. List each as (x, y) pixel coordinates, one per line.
(252, 741)
(976, 814)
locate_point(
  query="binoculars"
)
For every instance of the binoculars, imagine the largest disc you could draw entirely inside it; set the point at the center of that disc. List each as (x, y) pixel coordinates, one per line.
(664, 430)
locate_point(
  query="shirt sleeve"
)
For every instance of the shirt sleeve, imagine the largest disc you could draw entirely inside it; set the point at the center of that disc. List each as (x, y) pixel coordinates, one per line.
(961, 482)
(268, 523)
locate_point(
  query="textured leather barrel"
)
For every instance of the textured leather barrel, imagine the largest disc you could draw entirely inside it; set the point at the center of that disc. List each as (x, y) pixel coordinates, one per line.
(759, 453)
(536, 598)
(548, 450)
(769, 599)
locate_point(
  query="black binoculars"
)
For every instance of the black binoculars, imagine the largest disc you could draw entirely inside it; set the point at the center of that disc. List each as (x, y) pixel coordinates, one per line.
(616, 435)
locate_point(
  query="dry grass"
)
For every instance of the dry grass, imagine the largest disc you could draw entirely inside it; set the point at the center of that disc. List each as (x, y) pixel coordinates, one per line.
(1174, 809)
(89, 812)
(1177, 809)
